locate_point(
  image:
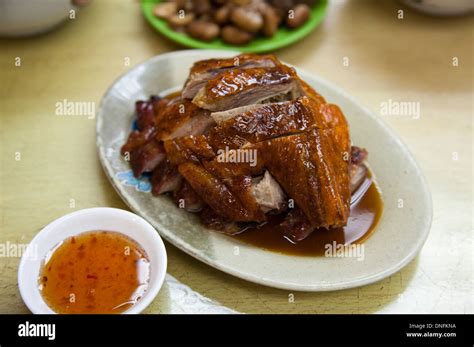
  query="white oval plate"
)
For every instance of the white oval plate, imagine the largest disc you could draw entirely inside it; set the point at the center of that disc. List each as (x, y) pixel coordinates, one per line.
(400, 233)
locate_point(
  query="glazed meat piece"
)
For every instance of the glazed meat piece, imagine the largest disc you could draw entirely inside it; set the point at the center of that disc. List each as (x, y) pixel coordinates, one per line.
(165, 178)
(204, 70)
(146, 111)
(146, 157)
(228, 169)
(180, 117)
(241, 186)
(310, 92)
(268, 121)
(215, 193)
(188, 148)
(137, 139)
(313, 172)
(172, 118)
(239, 87)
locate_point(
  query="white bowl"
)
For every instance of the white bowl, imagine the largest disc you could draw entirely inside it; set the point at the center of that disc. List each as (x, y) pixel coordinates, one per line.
(26, 17)
(100, 218)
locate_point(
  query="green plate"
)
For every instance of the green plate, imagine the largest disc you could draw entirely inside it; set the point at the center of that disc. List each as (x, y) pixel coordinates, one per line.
(282, 38)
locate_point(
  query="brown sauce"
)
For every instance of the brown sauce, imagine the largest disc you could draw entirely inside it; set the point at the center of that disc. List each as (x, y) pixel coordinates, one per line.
(363, 220)
(95, 272)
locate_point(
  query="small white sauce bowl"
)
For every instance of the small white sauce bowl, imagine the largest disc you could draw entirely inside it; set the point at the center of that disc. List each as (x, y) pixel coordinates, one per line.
(26, 17)
(92, 219)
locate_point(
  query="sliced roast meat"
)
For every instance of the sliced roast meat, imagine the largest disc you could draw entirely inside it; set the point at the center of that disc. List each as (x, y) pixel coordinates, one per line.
(146, 111)
(147, 157)
(204, 70)
(215, 193)
(137, 139)
(180, 117)
(237, 87)
(165, 178)
(240, 185)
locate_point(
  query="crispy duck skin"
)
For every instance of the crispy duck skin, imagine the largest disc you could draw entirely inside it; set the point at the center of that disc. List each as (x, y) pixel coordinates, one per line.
(240, 185)
(188, 148)
(239, 87)
(215, 193)
(204, 70)
(311, 93)
(268, 121)
(313, 172)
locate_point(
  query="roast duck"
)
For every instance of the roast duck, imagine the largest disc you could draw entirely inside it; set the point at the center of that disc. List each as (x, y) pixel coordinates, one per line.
(249, 106)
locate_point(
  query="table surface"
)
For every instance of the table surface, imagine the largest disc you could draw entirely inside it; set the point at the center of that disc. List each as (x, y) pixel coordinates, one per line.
(409, 59)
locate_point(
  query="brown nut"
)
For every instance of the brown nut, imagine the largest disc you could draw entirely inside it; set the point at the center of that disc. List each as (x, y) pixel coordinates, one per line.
(165, 9)
(271, 20)
(182, 18)
(235, 36)
(201, 6)
(222, 14)
(247, 19)
(202, 30)
(297, 16)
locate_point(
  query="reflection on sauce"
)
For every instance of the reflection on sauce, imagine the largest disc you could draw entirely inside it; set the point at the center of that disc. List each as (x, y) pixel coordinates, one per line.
(363, 219)
(95, 272)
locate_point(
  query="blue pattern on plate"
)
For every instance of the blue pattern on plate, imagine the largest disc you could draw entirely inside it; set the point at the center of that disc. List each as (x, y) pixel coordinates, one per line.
(135, 124)
(141, 184)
